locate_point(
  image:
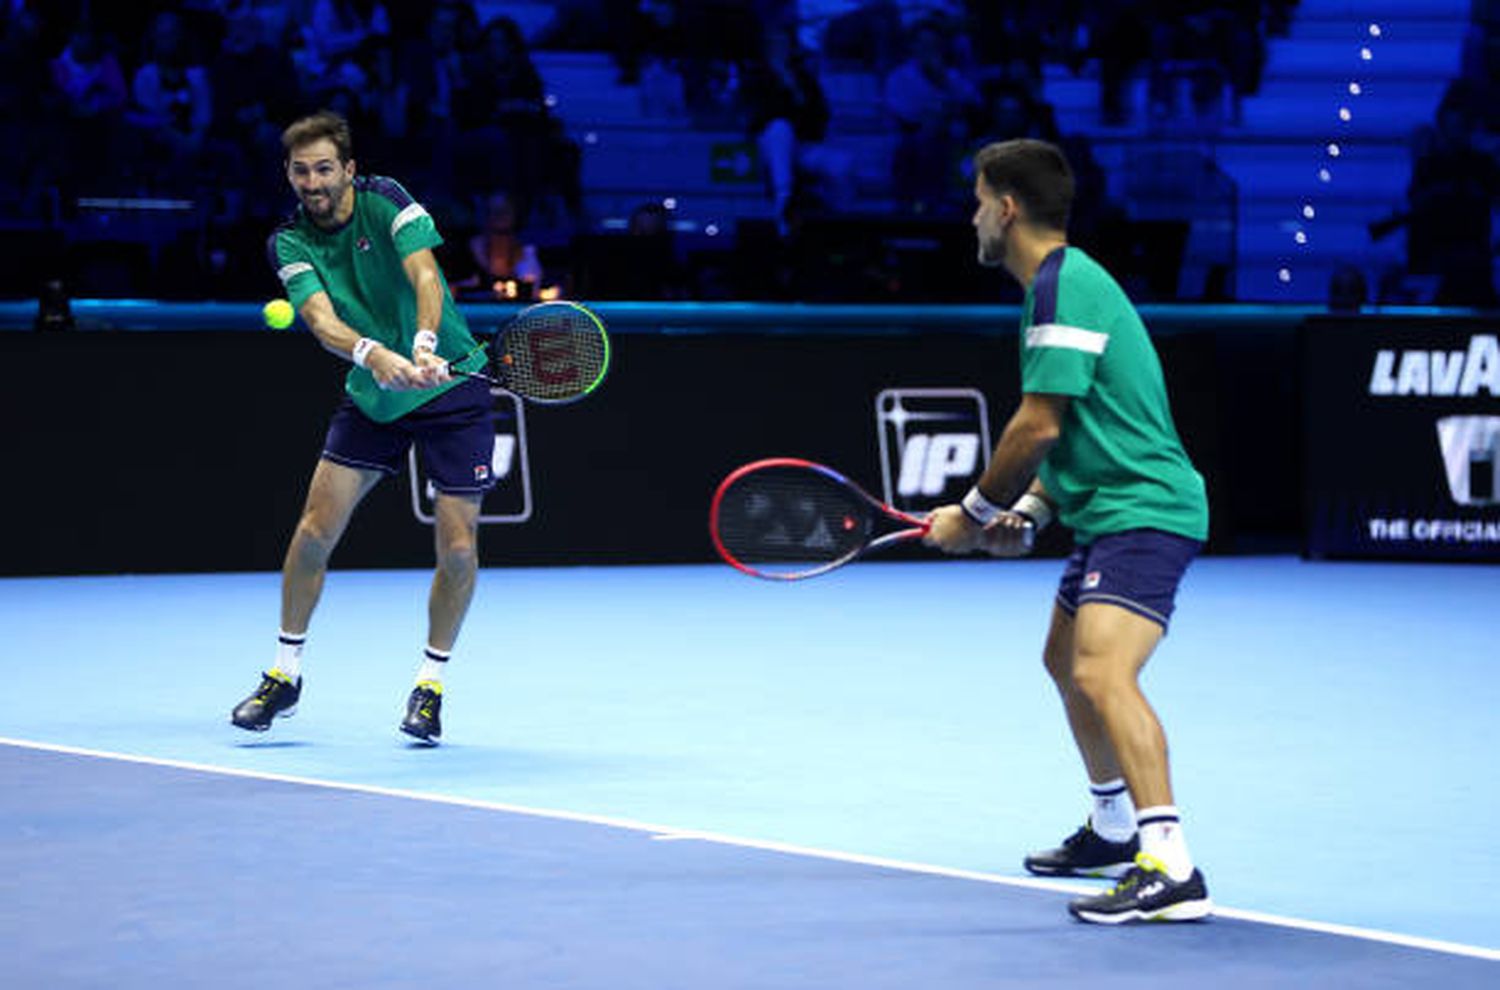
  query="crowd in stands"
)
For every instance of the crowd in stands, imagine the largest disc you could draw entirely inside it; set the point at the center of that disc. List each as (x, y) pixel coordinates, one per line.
(1453, 192)
(184, 100)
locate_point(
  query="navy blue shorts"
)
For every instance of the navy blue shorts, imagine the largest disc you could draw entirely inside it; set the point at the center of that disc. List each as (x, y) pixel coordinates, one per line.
(1138, 570)
(454, 434)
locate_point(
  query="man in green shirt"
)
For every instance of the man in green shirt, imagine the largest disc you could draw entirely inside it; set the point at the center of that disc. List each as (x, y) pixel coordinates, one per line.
(1092, 443)
(356, 261)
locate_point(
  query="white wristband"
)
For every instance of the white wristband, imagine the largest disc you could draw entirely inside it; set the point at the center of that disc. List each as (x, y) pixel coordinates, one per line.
(1034, 508)
(979, 508)
(362, 349)
(425, 340)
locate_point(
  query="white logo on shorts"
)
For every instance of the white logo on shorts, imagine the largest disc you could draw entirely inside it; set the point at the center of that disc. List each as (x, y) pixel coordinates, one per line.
(1091, 579)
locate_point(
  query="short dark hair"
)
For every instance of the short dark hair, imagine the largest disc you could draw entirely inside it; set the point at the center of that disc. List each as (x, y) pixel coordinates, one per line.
(316, 127)
(1035, 172)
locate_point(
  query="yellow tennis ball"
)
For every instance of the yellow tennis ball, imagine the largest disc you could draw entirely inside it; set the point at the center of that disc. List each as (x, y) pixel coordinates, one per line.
(279, 314)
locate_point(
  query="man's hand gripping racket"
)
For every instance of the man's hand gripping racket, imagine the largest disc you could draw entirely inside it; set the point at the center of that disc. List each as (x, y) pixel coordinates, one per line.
(786, 519)
(951, 530)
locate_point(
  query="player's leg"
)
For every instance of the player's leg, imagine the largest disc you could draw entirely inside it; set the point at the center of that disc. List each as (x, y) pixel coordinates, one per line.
(1110, 646)
(332, 495)
(1088, 731)
(336, 490)
(456, 534)
(1105, 846)
(357, 452)
(456, 441)
(1121, 618)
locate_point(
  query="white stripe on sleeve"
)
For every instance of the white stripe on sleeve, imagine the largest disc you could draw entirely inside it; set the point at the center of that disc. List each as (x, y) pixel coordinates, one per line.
(412, 212)
(1072, 338)
(290, 271)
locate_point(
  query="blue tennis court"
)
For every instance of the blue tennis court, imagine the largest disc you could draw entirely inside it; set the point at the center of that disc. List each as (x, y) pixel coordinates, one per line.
(677, 776)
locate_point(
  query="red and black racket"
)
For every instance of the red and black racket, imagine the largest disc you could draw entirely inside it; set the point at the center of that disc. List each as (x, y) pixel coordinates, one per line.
(786, 519)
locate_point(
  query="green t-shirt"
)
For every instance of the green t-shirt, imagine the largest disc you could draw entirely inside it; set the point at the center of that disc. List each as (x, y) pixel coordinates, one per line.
(1119, 463)
(359, 266)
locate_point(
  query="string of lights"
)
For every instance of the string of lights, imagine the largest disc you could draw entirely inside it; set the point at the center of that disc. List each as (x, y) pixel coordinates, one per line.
(1332, 152)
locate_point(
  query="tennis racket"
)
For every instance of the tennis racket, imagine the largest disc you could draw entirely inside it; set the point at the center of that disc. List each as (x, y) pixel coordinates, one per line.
(786, 519)
(551, 353)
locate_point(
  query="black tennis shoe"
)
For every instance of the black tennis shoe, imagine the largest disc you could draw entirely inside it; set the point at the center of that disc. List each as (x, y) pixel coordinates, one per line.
(1146, 894)
(275, 698)
(1085, 853)
(424, 713)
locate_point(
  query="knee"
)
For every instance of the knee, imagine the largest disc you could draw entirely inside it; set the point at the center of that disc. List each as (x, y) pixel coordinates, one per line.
(315, 534)
(1094, 677)
(458, 558)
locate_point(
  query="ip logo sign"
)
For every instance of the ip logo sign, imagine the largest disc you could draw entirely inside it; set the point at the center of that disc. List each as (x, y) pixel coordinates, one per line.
(510, 500)
(934, 442)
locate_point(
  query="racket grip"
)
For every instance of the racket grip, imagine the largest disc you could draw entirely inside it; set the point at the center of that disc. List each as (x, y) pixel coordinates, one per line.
(475, 374)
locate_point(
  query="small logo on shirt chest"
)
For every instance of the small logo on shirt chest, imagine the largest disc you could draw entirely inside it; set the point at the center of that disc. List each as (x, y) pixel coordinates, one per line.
(363, 244)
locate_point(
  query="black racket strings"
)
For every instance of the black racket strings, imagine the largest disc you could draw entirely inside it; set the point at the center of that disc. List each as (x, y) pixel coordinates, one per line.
(552, 355)
(792, 515)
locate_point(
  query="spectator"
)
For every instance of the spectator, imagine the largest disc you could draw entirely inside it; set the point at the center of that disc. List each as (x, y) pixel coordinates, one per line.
(331, 41)
(21, 63)
(658, 269)
(642, 263)
(94, 97)
(1120, 39)
(862, 33)
(438, 75)
(32, 138)
(487, 263)
(1455, 182)
(510, 139)
(385, 104)
(173, 101)
(254, 86)
(632, 31)
(89, 77)
(787, 115)
(1348, 291)
(933, 105)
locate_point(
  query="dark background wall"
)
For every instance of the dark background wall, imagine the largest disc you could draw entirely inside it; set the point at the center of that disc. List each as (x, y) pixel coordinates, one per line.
(189, 449)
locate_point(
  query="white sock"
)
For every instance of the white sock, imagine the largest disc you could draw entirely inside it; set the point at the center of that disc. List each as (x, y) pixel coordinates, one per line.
(1162, 839)
(289, 654)
(1114, 813)
(433, 662)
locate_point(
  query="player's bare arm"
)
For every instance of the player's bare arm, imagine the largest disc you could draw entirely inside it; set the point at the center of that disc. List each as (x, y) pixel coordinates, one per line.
(390, 369)
(1031, 432)
(422, 272)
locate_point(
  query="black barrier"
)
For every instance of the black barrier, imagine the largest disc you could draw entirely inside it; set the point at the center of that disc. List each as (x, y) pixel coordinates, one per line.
(1402, 438)
(190, 451)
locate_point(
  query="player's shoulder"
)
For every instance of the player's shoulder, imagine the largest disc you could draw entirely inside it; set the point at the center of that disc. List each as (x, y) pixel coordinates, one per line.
(287, 233)
(1081, 280)
(384, 190)
(1075, 265)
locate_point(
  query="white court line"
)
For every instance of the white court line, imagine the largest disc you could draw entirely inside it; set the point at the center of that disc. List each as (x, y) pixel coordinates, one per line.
(670, 834)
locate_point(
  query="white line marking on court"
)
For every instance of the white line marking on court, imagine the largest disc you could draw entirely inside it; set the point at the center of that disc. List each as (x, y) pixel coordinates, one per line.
(664, 833)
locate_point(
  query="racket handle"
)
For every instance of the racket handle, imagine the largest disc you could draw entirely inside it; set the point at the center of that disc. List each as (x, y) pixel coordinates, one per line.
(476, 374)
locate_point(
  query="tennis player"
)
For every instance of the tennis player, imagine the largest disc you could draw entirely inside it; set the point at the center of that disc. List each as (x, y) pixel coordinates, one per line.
(1094, 445)
(356, 261)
